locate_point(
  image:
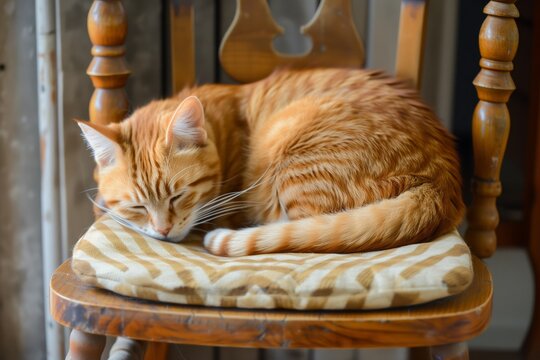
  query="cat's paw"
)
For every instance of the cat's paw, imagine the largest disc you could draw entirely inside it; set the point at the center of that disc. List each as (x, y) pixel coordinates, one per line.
(217, 241)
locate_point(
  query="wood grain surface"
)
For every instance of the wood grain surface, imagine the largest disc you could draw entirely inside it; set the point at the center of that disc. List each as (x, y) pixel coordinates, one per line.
(451, 320)
(247, 53)
(85, 346)
(498, 42)
(411, 38)
(182, 43)
(107, 28)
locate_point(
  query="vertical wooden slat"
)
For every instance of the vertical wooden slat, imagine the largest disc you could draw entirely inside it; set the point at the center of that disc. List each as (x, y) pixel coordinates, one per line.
(491, 121)
(156, 351)
(182, 43)
(107, 27)
(410, 47)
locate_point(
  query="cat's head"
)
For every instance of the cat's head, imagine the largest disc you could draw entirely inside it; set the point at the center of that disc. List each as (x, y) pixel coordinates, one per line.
(156, 168)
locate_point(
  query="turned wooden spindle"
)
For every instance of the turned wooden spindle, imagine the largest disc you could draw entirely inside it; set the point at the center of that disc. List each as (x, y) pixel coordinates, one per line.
(85, 346)
(491, 121)
(107, 27)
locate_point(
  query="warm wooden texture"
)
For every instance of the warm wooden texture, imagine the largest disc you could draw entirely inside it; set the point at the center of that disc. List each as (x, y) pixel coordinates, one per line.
(93, 310)
(182, 43)
(85, 346)
(156, 351)
(127, 349)
(458, 351)
(511, 233)
(491, 121)
(247, 53)
(107, 27)
(410, 50)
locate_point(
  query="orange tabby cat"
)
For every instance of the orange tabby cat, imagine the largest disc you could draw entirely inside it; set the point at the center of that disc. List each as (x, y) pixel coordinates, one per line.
(326, 160)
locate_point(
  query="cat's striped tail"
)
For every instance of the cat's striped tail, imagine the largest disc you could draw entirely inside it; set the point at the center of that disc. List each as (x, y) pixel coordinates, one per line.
(416, 215)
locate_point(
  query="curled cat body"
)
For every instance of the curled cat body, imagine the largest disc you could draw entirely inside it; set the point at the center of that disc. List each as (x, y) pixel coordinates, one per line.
(321, 160)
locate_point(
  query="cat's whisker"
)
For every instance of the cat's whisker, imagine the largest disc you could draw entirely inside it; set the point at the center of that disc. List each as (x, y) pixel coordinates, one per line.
(208, 210)
(204, 215)
(228, 209)
(224, 198)
(215, 208)
(168, 158)
(218, 214)
(230, 205)
(90, 189)
(208, 220)
(223, 182)
(180, 173)
(96, 189)
(219, 204)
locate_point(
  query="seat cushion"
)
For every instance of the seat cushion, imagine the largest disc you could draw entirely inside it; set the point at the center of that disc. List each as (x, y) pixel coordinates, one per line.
(121, 260)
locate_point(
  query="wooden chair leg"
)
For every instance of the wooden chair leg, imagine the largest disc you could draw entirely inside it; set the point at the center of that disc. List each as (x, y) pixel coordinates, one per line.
(127, 349)
(156, 351)
(457, 351)
(84, 346)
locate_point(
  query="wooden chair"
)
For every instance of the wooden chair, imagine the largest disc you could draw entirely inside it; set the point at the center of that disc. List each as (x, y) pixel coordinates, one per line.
(443, 326)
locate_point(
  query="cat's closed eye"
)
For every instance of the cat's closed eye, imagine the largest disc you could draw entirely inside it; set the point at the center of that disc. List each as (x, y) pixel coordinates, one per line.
(138, 207)
(176, 197)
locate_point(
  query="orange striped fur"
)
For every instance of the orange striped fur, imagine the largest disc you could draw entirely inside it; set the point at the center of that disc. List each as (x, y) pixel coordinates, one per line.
(335, 160)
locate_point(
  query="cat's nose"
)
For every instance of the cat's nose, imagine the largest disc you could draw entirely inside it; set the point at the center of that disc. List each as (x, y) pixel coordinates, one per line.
(164, 231)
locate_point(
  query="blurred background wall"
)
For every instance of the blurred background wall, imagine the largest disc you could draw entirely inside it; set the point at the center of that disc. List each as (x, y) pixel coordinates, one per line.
(451, 62)
(21, 289)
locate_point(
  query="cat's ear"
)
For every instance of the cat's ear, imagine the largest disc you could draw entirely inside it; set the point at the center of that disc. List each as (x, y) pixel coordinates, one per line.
(102, 140)
(187, 123)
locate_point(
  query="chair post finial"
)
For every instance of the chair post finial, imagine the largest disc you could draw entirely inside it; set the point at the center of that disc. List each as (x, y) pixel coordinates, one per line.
(107, 27)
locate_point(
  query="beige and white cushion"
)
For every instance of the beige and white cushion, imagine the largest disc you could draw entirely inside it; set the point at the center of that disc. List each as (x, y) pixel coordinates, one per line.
(116, 258)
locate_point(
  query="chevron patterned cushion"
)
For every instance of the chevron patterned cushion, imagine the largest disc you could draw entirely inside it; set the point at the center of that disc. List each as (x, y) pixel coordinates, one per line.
(116, 258)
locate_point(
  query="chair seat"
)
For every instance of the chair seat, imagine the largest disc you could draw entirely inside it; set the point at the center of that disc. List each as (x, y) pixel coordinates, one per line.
(114, 257)
(77, 305)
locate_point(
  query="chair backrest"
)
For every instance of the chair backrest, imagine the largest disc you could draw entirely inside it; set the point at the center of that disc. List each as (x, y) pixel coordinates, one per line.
(247, 54)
